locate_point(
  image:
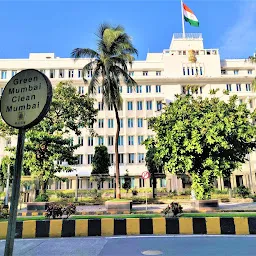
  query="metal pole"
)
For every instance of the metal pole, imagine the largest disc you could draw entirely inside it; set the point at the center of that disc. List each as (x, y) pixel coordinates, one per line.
(182, 16)
(7, 185)
(252, 191)
(146, 201)
(15, 194)
(76, 195)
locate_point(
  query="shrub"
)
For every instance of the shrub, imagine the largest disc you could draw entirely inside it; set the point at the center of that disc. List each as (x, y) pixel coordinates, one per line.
(42, 198)
(134, 192)
(243, 191)
(69, 210)
(54, 210)
(4, 212)
(175, 208)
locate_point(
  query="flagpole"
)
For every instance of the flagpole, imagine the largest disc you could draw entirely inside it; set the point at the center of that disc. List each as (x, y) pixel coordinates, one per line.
(182, 16)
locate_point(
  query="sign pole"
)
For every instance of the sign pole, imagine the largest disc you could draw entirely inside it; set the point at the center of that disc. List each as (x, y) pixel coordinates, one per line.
(15, 194)
(146, 201)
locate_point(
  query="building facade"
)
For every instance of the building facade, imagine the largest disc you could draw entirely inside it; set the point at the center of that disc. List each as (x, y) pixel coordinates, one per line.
(160, 77)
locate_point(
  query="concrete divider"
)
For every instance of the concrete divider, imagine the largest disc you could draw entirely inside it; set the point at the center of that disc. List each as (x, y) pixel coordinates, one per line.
(132, 226)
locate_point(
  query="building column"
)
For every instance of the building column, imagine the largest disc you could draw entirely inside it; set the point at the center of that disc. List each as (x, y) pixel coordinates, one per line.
(168, 183)
(232, 181)
(147, 183)
(244, 177)
(136, 182)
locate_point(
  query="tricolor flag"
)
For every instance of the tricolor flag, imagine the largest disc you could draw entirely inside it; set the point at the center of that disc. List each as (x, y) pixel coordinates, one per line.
(189, 16)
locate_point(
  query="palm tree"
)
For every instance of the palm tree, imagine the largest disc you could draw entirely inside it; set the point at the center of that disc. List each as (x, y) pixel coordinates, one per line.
(108, 65)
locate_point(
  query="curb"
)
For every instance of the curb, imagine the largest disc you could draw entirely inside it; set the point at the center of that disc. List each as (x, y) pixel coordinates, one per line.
(132, 226)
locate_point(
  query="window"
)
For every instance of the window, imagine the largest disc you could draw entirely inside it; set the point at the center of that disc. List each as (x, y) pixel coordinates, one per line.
(162, 182)
(240, 101)
(130, 140)
(197, 71)
(249, 71)
(248, 87)
(110, 123)
(158, 73)
(201, 90)
(90, 141)
(121, 158)
(142, 183)
(192, 71)
(99, 89)
(81, 89)
(111, 158)
(129, 89)
(223, 72)
(201, 71)
(110, 108)
(71, 141)
(184, 52)
(4, 74)
(140, 122)
(159, 105)
(61, 73)
(229, 87)
(238, 87)
(120, 89)
(100, 140)
(131, 158)
(71, 73)
(111, 183)
(89, 184)
(101, 123)
(69, 184)
(236, 72)
(8, 142)
(42, 70)
(131, 73)
(79, 73)
(80, 184)
(149, 105)
(139, 105)
(129, 103)
(1, 92)
(58, 184)
(89, 73)
(130, 122)
(188, 71)
(52, 73)
(184, 71)
(14, 72)
(141, 157)
(121, 123)
(140, 139)
(81, 141)
(80, 159)
(120, 140)
(101, 106)
(139, 89)
(145, 73)
(110, 140)
(158, 88)
(250, 104)
(89, 158)
(148, 88)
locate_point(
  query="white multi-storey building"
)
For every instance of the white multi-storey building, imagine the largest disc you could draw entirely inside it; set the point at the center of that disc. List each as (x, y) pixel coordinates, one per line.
(160, 77)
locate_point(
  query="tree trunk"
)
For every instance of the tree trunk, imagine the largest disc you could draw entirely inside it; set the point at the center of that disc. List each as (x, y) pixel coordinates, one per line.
(153, 185)
(44, 186)
(117, 190)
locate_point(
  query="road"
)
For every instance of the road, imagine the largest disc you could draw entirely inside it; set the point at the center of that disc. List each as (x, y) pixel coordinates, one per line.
(137, 246)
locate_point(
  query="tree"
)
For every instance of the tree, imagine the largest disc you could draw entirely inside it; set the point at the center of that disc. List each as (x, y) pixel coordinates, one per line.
(127, 182)
(50, 139)
(6, 161)
(109, 69)
(154, 166)
(204, 138)
(100, 165)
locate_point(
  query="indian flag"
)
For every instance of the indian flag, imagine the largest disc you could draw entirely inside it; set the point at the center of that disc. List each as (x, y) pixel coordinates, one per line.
(189, 16)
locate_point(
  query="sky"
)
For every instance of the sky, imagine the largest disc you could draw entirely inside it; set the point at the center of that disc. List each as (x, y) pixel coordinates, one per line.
(60, 26)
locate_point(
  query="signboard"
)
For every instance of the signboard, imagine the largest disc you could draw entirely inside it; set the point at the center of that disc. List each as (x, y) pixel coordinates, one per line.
(26, 99)
(145, 175)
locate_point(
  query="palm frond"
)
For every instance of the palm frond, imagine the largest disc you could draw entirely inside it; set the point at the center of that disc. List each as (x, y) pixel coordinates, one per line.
(102, 29)
(84, 52)
(128, 80)
(94, 80)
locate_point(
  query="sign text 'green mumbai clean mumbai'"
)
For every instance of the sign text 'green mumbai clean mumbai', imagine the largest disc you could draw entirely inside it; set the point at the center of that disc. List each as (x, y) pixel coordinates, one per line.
(16, 92)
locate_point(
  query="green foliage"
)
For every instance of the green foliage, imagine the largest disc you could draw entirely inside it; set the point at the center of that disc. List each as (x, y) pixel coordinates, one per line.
(42, 198)
(100, 165)
(54, 210)
(109, 65)
(69, 210)
(127, 182)
(6, 160)
(134, 192)
(203, 138)
(243, 191)
(4, 212)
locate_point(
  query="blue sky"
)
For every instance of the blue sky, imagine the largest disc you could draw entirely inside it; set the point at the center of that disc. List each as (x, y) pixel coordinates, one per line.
(59, 26)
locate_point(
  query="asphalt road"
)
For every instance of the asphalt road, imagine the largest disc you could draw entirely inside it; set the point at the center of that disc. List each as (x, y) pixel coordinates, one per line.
(136, 246)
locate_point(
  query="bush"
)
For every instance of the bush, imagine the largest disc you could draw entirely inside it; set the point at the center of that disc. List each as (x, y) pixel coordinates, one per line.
(187, 192)
(54, 210)
(42, 198)
(69, 210)
(4, 212)
(243, 191)
(174, 208)
(134, 192)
